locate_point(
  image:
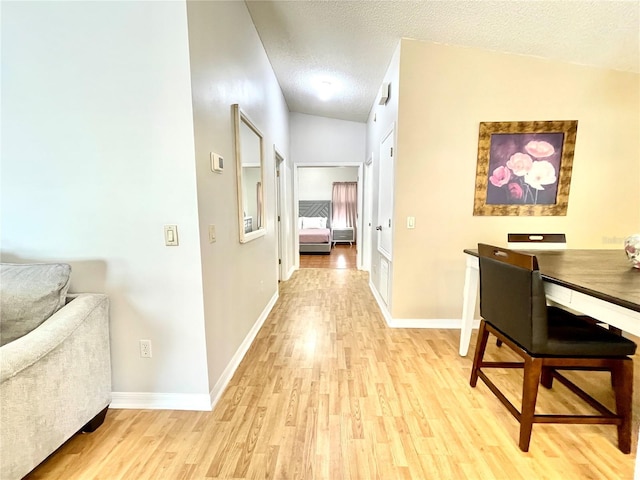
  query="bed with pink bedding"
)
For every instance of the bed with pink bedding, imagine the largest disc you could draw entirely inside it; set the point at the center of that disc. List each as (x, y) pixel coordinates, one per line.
(314, 226)
(315, 235)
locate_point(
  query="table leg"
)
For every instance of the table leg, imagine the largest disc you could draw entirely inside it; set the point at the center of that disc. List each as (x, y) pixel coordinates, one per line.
(471, 278)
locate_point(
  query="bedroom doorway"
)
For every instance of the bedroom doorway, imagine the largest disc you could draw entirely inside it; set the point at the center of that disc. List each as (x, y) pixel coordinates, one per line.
(314, 186)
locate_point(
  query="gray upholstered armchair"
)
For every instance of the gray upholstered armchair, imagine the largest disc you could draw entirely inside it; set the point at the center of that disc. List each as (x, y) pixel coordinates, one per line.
(55, 369)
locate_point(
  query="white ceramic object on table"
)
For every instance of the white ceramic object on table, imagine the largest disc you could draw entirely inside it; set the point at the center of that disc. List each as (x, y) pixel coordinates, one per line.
(632, 249)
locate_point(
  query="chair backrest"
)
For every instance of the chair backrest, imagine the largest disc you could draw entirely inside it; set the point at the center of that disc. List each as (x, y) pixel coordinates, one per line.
(537, 241)
(512, 297)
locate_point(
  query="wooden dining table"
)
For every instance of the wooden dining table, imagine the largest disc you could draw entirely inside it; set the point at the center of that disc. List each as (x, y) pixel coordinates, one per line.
(599, 283)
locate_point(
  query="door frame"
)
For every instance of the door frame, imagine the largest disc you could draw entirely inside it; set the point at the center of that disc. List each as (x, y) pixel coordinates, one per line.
(296, 244)
(367, 214)
(278, 161)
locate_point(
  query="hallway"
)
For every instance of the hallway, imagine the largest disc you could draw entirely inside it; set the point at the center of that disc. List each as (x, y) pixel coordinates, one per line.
(328, 391)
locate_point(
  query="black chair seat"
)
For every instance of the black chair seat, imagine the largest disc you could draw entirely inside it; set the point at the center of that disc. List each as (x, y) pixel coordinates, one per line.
(572, 337)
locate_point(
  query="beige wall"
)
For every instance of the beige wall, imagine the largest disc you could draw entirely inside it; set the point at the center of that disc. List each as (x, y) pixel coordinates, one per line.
(445, 92)
(229, 65)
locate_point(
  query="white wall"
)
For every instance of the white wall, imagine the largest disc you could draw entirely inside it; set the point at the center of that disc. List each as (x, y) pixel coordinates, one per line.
(326, 140)
(229, 65)
(316, 183)
(97, 155)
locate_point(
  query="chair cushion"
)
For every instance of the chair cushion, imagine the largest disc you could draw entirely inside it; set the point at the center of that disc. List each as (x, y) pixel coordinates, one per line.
(29, 294)
(570, 336)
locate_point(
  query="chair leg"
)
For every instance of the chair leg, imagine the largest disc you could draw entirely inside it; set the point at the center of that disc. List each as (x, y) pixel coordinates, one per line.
(532, 376)
(547, 377)
(622, 379)
(481, 345)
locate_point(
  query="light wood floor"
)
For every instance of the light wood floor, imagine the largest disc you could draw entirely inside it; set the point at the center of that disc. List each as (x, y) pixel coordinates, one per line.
(327, 391)
(342, 256)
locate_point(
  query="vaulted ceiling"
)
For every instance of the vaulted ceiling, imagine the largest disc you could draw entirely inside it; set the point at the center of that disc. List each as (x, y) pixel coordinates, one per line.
(350, 43)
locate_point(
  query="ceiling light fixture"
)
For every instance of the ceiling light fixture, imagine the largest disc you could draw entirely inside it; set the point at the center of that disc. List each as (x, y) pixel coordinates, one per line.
(325, 90)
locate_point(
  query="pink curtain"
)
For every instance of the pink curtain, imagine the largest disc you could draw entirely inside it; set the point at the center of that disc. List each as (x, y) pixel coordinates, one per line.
(344, 205)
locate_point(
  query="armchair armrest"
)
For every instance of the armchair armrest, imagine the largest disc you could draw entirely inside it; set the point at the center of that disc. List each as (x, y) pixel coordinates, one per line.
(29, 349)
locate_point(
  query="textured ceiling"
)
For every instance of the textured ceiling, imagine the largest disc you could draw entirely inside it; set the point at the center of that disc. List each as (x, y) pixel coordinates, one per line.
(352, 41)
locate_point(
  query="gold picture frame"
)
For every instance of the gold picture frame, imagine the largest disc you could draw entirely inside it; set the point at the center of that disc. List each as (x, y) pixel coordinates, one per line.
(524, 168)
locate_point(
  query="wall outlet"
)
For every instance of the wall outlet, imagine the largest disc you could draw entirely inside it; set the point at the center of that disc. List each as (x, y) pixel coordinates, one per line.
(145, 348)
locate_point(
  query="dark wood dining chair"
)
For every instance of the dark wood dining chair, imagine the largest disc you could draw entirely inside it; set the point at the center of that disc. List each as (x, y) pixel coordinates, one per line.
(513, 308)
(535, 241)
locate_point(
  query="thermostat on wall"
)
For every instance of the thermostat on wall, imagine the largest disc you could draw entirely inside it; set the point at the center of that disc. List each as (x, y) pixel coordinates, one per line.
(217, 163)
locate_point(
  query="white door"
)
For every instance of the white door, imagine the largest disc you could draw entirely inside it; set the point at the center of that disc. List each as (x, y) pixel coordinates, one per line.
(385, 198)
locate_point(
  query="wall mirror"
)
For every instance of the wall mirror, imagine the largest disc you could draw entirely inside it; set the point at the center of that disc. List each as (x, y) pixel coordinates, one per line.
(249, 168)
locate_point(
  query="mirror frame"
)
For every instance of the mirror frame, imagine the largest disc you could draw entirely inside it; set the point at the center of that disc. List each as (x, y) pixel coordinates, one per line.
(241, 117)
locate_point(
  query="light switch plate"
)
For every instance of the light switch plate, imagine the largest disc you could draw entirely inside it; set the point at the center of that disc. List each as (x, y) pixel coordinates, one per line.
(171, 235)
(411, 222)
(212, 233)
(217, 162)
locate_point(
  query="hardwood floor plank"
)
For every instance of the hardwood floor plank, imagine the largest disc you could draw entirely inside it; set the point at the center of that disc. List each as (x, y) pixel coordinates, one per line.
(327, 391)
(341, 256)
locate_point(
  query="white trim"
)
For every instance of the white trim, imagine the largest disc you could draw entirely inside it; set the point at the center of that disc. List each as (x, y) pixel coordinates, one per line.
(281, 244)
(193, 401)
(446, 323)
(296, 213)
(369, 160)
(289, 273)
(160, 401)
(366, 223)
(359, 219)
(383, 306)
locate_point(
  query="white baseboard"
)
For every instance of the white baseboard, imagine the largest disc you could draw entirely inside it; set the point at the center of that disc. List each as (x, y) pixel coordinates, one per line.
(194, 401)
(450, 323)
(383, 306)
(446, 323)
(160, 401)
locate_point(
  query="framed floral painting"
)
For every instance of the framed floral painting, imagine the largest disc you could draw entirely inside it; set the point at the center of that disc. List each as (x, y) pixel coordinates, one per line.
(524, 168)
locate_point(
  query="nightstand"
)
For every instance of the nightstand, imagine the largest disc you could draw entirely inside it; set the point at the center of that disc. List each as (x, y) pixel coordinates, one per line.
(344, 234)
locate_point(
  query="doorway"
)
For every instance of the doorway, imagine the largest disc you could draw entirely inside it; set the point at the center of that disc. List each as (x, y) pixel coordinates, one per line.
(314, 182)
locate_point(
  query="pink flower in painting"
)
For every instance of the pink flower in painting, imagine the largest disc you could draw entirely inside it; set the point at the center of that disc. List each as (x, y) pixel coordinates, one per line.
(520, 163)
(539, 149)
(541, 173)
(515, 190)
(500, 177)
